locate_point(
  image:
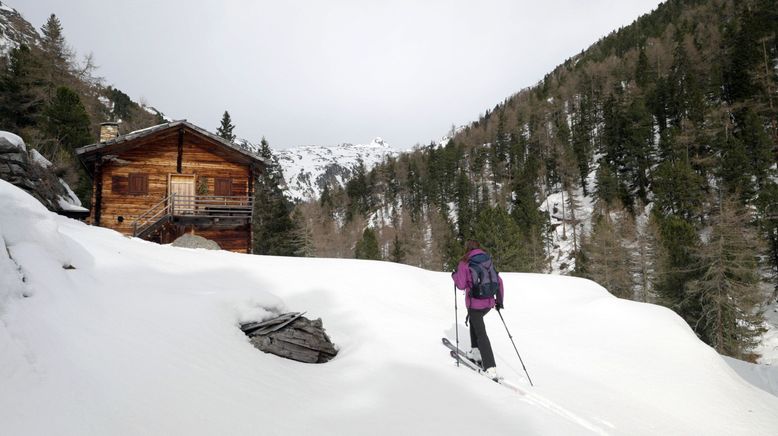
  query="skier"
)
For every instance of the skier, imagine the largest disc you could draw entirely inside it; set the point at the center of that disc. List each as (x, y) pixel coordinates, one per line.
(483, 288)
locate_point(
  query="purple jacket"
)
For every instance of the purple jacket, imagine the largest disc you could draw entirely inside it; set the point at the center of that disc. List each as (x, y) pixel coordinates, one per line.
(463, 280)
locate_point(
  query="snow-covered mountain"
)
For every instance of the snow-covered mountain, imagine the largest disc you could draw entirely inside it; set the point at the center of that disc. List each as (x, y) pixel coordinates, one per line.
(14, 29)
(307, 169)
(104, 334)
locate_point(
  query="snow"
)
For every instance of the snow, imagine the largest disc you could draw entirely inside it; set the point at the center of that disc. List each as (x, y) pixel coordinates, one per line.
(39, 159)
(140, 338)
(69, 202)
(567, 232)
(13, 139)
(763, 376)
(306, 166)
(106, 102)
(768, 347)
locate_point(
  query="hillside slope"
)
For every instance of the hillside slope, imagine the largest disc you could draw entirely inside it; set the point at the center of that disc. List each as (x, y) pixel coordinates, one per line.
(307, 169)
(622, 165)
(103, 334)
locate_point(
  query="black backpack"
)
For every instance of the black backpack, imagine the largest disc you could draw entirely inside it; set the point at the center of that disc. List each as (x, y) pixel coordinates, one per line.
(486, 282)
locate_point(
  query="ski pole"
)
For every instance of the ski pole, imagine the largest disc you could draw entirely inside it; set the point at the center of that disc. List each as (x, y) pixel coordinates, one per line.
(514, 347)
(456, 321)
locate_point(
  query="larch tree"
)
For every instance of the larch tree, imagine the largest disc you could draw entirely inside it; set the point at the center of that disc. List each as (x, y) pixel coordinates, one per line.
(728, 290)
(607, 260)
(644, 258)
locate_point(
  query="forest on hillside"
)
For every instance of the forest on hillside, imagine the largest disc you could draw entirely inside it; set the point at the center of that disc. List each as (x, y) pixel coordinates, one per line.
(55, 101)
(666, 129)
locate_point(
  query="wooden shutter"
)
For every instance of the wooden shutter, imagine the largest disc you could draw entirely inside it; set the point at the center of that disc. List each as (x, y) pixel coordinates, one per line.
(138, 184)
(223, 187)
(119, 185)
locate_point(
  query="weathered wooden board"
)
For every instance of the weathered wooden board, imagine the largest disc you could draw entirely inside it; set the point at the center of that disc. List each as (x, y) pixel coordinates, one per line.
(302, 340)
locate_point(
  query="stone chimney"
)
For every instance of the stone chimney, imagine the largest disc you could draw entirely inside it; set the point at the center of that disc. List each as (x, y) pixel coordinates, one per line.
(108, 131)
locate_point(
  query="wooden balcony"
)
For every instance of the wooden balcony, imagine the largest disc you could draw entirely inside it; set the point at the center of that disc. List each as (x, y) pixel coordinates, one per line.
(198, 210)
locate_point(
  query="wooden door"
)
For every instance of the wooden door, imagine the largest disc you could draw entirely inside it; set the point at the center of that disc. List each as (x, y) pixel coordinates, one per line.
(183, 186)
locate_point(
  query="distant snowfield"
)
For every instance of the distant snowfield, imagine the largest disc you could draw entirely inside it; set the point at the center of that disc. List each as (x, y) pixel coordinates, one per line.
(144, 339)
(306, 167)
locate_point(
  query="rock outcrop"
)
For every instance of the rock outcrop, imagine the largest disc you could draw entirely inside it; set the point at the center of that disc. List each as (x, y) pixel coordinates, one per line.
(194, 241)
(33, 175)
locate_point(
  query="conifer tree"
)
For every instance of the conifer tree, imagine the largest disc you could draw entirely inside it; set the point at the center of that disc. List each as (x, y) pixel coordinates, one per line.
(122, 104)
(325, 199)
(367, 247)
(464, 206)
(452, 249)
(606, 185)
(582, 137)
(734, 169)
(638, 148)
(226, 128)
(358, 191)
(644, 259)
(301, 238)
(728, 290)
(21, 99)
(676, 266)
(397, 254)
(642, 73)
(678, 189)
(751, 133)
(767, 208)
(58, 56)
(274, 230)
(66, 120)
(66, 123)
(496, 230)
(607, 260)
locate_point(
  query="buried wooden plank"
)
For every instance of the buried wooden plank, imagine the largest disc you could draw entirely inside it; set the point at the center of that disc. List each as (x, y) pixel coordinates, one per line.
(270, 329)
(301, 339)
(251, 327)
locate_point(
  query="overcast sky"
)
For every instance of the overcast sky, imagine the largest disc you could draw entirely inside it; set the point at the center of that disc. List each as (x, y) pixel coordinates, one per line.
(328, 72)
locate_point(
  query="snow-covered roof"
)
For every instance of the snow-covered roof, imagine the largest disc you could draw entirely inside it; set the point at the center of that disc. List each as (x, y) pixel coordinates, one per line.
(91, 149)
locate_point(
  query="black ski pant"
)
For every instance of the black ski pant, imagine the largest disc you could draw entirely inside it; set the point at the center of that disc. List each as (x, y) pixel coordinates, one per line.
(478, 337)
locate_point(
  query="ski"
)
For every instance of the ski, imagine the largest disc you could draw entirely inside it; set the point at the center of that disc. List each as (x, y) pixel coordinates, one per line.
(462, 357)
(467, 362)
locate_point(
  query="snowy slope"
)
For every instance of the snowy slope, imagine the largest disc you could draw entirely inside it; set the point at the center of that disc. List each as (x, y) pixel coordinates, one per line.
(14, 29)
(308, 168)
(144, 339)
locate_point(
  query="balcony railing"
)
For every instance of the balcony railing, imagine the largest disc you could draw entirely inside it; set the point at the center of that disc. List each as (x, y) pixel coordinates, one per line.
(193, 206)
(210, 206)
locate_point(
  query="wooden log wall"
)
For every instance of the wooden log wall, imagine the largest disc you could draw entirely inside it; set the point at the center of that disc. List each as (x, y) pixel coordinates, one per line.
(158, 156)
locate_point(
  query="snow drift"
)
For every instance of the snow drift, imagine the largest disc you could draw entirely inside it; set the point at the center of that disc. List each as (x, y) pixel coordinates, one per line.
(103, 334)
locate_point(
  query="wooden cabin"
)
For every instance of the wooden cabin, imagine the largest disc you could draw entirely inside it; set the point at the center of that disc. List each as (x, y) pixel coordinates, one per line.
(174, 178)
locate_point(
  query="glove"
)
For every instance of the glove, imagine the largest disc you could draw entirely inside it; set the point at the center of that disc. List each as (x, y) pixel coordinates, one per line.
(498, 306)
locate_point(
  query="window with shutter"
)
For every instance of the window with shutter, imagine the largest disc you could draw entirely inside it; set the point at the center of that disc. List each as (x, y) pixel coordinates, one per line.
(223, 187)
(119, 185)
(138, 184)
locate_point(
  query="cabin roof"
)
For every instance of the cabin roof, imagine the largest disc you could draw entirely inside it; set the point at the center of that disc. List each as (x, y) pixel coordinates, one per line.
(124, 142)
